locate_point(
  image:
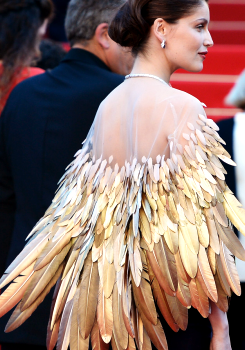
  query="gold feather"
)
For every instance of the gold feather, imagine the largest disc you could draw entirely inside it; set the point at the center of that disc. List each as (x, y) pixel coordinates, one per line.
(212, 259)
(135, 321)
(144, 299)
(52, 333)
(189, 232)
(96, 340)
(42, 277)
(104, 315)
(65, 327)
(135, 262)
(144, 226)
(231, 241)
(172, 208)
(76, 340)
(183, 293)
(195, 302)
(160, 299)
(214, 239)
(203, 234)
(189, 259)
(146, 342)
(178, 311)
(88, 296)
(182, 199)
(72, 258)
(126, 293)
(18, 317)
(99, 239)
(219, 214)
(229, 267)
(52, 249)
(109, 253)
(222, 277)
(180, 269)
(167, 263)
(114, 343)
(14, 293)
(203, 306)
(222, 302)
(206, 273)
(161, 272)
(131, 344)
(234, 210)
(156, 333)
(28, 255)
(109, 275)
(119, 329)
(172, 240)
(146, 207)
(189, 213)
(127, 320)
(61, 297)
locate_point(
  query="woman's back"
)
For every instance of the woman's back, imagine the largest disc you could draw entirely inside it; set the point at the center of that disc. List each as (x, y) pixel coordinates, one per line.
(140, 118)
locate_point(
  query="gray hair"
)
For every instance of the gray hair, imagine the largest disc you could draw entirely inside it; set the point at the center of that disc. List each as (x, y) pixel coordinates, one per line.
(84, 16)
(236, 97)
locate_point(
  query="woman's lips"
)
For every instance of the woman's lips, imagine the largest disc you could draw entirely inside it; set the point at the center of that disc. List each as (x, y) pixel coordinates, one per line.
(203, 54)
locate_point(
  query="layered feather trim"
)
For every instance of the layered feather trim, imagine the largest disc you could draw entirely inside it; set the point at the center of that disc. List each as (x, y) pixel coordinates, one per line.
(126, 242)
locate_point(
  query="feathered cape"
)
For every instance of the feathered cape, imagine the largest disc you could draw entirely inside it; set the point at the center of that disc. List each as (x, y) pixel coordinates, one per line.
(119, 241)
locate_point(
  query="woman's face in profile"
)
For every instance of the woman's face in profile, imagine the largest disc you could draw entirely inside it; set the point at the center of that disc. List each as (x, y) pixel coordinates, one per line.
(188, 40)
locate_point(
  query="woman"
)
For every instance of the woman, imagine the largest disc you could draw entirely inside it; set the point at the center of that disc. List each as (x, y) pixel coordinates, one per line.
(22, 25)
(138, 226)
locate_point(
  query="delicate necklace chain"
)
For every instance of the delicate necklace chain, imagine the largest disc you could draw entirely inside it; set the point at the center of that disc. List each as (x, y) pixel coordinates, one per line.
(148, 76)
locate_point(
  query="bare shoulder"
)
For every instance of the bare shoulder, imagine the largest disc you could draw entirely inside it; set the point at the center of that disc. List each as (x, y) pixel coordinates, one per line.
(184, 101)
(154, 94)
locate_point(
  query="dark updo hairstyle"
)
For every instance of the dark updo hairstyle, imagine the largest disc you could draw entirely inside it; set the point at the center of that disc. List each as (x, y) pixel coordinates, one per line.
(131, 25)
(19, 24)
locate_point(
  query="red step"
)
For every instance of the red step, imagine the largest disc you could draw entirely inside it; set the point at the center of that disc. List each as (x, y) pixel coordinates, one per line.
(210, 93)
(223, 59)
(228, 33)
(227, 12)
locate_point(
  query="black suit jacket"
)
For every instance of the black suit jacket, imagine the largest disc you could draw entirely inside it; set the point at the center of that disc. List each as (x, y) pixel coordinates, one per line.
(237, 303)
(226, 132)
(42, 126)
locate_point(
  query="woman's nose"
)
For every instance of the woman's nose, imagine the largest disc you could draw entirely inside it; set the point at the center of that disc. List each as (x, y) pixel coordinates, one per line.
(208, 40)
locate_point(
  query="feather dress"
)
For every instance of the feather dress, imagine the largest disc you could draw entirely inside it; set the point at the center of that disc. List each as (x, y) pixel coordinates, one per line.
(121, 241)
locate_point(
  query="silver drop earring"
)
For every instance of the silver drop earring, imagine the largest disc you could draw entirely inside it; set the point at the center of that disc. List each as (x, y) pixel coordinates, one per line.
(163, 44)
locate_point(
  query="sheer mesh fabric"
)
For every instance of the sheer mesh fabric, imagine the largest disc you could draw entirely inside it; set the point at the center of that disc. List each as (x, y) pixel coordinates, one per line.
(143, 118)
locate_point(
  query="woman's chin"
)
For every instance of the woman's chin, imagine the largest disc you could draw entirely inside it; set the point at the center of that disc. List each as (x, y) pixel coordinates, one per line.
(194, 68)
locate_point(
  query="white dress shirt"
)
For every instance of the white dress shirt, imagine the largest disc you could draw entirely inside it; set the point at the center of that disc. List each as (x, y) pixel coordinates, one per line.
(239, 158)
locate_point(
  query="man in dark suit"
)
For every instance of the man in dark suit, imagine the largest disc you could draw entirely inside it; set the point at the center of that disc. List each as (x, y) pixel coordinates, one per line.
(42, 126)
(232, 131)
(237, 304)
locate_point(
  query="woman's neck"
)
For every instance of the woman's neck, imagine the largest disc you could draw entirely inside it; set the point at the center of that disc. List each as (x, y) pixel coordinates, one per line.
(152, 65)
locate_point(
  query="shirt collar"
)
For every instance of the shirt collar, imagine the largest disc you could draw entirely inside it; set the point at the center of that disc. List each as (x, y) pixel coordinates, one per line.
(85, 57)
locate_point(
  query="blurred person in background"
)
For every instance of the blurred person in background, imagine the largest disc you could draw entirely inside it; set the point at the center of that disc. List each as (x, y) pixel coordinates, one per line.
(57, 28)
(41, 128)
(22, 24)
(233, 131)
(51, 55)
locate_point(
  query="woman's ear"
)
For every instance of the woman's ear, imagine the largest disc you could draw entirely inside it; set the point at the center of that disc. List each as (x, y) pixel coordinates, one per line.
(160, 29)
(101, 35)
